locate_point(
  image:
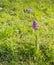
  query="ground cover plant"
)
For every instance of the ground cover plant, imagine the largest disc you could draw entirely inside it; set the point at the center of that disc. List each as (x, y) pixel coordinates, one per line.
(21, 43)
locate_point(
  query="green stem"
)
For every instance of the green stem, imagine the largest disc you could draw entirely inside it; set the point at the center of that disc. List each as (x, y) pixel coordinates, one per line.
(37, 43)
(36, 34)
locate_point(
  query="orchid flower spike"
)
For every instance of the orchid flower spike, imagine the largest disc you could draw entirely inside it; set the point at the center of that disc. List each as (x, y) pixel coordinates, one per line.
(35, 25)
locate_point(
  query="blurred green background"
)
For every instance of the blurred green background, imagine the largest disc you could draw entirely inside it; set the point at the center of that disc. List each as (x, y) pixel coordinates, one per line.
(17, 42)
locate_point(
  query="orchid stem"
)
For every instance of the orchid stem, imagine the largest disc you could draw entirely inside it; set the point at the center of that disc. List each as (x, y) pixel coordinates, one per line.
(36, 40)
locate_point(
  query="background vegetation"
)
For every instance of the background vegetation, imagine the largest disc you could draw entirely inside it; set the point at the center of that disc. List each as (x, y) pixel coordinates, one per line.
(17, 43)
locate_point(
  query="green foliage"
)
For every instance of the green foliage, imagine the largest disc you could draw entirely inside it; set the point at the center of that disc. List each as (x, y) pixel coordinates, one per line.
(17, 40)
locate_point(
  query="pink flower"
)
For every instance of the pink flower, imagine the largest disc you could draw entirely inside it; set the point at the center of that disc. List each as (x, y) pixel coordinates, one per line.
(35, 25)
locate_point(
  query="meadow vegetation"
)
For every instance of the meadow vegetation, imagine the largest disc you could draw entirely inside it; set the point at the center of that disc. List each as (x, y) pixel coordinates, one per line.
(17, 40)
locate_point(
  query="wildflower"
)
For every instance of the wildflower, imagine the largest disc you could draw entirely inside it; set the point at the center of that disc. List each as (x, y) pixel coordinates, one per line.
(35, 25)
